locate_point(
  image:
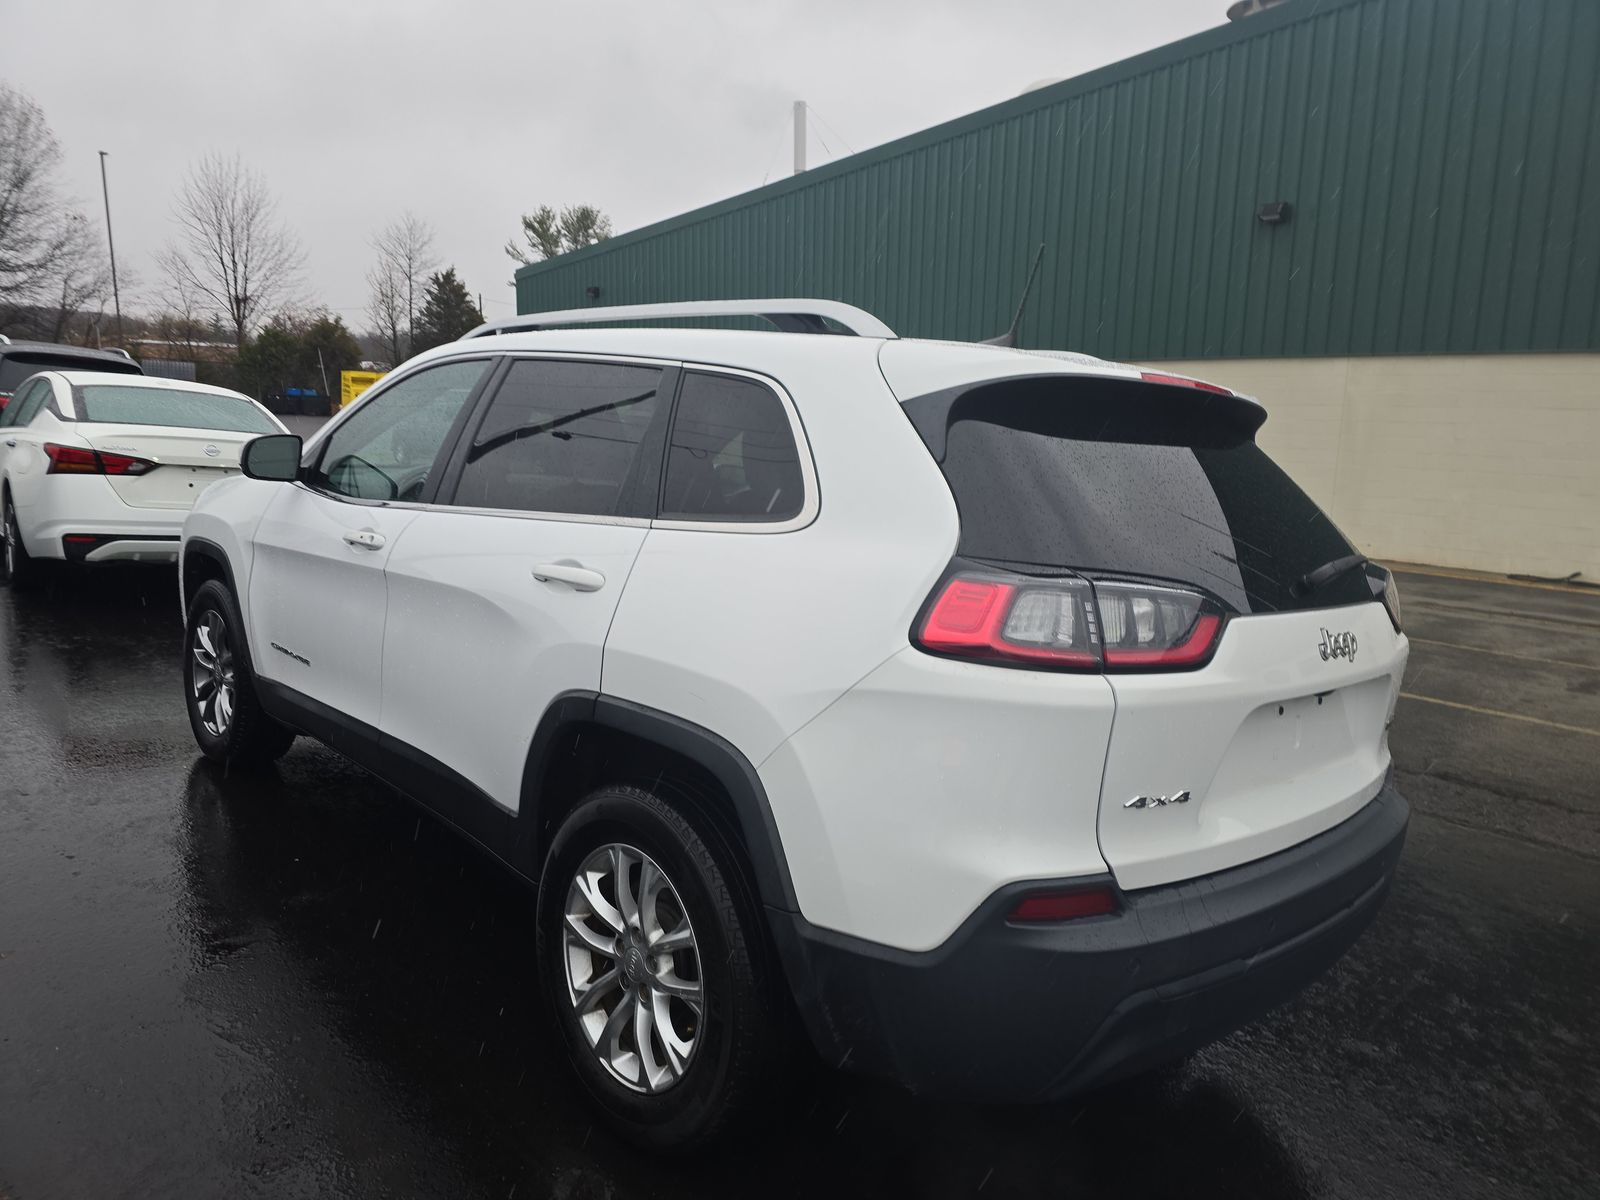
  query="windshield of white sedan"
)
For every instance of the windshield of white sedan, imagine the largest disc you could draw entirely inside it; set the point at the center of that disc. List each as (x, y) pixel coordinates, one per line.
(115, 405)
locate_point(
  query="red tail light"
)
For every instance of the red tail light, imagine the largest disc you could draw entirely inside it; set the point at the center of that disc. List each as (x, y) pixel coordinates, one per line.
(1181, 381)
(1065, 906)
(1155, 627)
(75, 460)
(977, 616)
(1070, 624)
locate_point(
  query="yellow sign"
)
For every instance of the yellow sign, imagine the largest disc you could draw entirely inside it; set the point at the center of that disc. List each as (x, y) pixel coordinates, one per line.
(353, 383)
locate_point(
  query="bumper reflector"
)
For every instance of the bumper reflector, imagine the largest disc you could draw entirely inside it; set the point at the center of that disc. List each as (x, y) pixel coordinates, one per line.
(1065, 906)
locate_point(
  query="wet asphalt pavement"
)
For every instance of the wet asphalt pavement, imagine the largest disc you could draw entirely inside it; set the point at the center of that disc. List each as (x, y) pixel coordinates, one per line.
(296, 986)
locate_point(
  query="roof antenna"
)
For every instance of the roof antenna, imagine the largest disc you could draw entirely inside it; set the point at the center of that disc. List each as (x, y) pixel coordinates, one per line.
(1009, 337)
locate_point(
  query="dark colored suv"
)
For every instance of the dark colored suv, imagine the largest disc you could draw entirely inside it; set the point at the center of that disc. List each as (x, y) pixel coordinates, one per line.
(18, 360)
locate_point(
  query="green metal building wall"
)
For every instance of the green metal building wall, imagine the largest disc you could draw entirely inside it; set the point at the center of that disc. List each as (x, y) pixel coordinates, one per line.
(1442, 158)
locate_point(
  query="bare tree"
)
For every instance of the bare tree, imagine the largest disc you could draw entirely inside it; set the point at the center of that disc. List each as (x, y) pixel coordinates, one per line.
(231, 251)
(549, 234)
(82, 280)
(405, 256)
(35, 229)
(185, 320)
(386, 307)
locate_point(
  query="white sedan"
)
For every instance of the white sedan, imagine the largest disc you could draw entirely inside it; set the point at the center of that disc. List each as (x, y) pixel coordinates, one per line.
(97, 467)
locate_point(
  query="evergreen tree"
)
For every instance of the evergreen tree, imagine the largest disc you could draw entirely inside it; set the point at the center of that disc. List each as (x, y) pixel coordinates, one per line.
(447, 312)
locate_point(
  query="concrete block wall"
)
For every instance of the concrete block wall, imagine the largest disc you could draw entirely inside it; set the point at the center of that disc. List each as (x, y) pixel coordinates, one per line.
(1490, 462)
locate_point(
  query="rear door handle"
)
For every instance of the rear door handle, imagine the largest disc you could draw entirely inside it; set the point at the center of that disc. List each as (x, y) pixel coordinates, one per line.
(364, 539)
(581, 578)
(11, 441)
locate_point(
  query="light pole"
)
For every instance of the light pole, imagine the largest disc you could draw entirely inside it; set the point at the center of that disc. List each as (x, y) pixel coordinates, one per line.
(111, 245)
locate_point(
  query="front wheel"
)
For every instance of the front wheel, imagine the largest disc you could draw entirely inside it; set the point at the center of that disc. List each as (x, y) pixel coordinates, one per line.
(220, 687)
(653, 961)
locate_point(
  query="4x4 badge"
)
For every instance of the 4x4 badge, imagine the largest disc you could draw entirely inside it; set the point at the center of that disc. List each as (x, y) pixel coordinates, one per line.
(1337, 645)
(1156, 801)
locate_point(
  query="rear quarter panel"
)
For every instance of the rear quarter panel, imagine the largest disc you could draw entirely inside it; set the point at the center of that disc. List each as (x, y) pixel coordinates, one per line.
(752, 635)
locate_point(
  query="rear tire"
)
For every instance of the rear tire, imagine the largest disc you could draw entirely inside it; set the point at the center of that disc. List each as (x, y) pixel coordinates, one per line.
(707, 1008)
(19, 568)
(219, 685)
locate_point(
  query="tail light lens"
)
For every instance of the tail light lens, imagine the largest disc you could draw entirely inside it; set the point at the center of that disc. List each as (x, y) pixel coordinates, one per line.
(1185, 381)
(1010, 619)
(1069, 624)
(75, 460)
(1156, 627)
(1391, 599)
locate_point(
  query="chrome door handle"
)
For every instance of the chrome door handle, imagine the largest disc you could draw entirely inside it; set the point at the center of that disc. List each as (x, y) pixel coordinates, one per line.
(364, 539)
(581, 578)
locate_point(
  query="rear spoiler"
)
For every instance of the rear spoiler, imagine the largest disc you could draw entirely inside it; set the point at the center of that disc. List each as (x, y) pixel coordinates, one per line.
(1154, 408)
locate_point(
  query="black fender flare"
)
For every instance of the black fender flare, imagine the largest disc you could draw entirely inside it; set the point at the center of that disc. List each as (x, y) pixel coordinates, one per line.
(708, 750)
(206, 548)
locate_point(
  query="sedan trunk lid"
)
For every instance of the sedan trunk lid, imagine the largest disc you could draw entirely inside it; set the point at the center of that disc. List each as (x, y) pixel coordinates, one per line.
(188, 461)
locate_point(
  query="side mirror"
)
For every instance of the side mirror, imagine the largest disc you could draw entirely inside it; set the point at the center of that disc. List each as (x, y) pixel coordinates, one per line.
(275, 457)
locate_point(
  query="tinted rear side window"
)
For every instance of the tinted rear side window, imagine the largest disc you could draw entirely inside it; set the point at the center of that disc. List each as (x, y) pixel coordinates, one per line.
(1117, 478)
(562, 437)
(26, 405)
(732, 456)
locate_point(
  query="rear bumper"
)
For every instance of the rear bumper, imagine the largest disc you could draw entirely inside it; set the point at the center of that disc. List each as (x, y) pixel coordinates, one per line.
(83, 506)
(1005, 1013)
(120, 547)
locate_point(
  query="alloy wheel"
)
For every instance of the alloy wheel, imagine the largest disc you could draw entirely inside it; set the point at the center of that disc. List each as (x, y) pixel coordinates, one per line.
(633, 968)
(212, 673)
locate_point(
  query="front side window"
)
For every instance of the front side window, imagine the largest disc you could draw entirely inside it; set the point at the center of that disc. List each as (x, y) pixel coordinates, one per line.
(732, 456)
(386, 449)
(562, 437)
(124, 404)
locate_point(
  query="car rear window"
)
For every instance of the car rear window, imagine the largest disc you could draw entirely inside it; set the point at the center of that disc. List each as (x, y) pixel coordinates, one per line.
(14, 368)
(1116, 477)
(117, 405)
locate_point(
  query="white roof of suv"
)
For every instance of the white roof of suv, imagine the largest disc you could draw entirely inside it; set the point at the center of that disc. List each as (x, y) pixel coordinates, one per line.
(912, 366)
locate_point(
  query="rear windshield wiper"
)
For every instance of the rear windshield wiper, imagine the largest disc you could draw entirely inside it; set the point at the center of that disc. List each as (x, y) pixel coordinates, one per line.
(1326, 573)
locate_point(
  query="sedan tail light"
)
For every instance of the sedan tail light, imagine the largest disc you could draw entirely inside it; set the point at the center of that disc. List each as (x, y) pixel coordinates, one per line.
(76, 460)
(1069, 623)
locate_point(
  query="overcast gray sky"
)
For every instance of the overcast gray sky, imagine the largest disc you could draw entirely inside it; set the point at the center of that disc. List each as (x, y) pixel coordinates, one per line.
(470, 114)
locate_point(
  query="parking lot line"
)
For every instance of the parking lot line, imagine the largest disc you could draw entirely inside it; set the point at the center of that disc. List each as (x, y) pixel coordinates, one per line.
(1554, 662)
(1552, 585)
(1495, 712)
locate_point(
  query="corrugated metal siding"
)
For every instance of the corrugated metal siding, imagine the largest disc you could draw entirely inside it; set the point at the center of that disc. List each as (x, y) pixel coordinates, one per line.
(1442, 158)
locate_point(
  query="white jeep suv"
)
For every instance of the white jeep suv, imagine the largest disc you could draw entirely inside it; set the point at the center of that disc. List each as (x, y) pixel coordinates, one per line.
(1008, 717)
